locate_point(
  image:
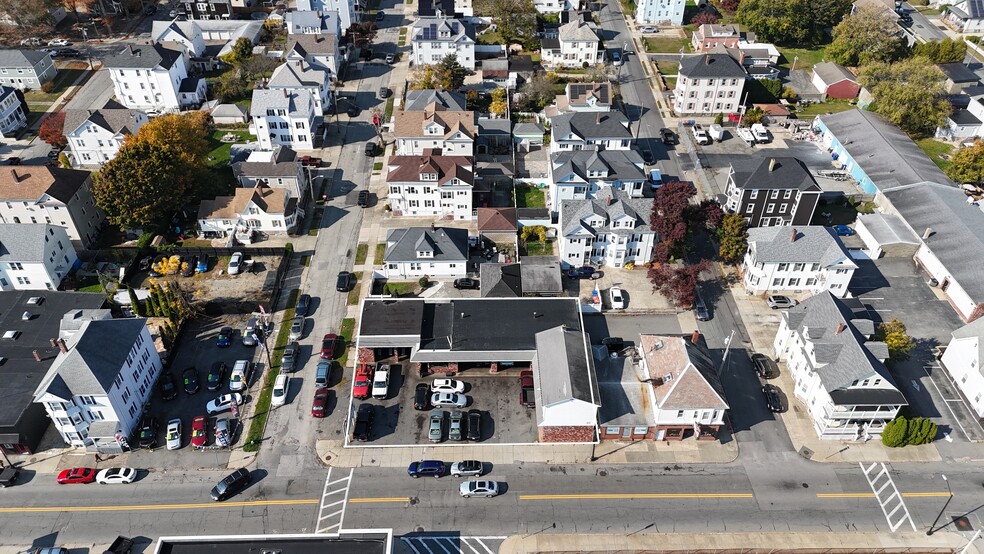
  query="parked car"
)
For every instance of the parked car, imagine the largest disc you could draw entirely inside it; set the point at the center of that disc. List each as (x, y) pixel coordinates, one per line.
(199, 431)
(370, 149)
(169, 390)
(76, 476)
(426, 468)
(280, 389)
(701, 309)
(843, 230)
(223, 403)
(648, 29)
(421, 397)
(239, 379)
(390, 58)
(455, 432)
(319, 408)
(173, 434)
(344, 281)
(224, 338)
(380, 382)
(32, 41)
(202, 265)
(765, 367)
(322, 373)
(772, 398)
(116, 476)
(249, 337)
(189, 270)
(526, 393)
(235, 263)
(777, 301)
(585, 272)
(667, 136)
(616, 56)
(436, 431)
(488, 489)
(66, 53)
(310, 161)
(329, 345)
(647, 156)
(447, 385)
(364, 196)
(363, 422)
(617, 298)
(231, 484)
(466, 283)
(363, 380)
(296, 328)
(147, 437)
(222, 436)
(303, 305)
(385, 92)
(289, 360)
(449, 400)
(213, 380)
(189, 378)
(380, 15)
(474, 425)
(467, 468)
(59, 42)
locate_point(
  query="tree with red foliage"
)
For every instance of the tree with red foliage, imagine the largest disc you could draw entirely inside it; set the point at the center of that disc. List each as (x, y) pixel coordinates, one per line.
(730, 5)
(678, 283)
(706, 215)
(669, 218)
(52, 130)
(704, 17)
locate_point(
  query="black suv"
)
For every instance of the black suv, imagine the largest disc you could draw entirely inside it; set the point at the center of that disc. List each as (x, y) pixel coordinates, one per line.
(169, 388)
(147, 437)
(370, 149)
(213, 381)
(766, 368)
(421, 397)
(668, 136)
(233, 483)
(364, 196)
(344, 282)
(772, 398)
(385, 92)
(190, 380)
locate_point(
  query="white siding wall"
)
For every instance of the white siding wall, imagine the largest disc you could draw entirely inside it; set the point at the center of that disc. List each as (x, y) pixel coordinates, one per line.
(59, 258)
(959, 298)
(962, 363)
(707, 96)
(414, 270)
(660, 11)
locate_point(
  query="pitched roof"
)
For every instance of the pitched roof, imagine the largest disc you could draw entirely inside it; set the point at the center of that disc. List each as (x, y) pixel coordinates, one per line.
(972, 9)
(831, 73)
(497, 220)
(412, 124)
(296, 102)
(429, 28)
(813, 244)
(21, 58)
(578, 93)
(420, 100)
(501, 280)
(445, 243)
(593, 125)
(564, 368)
(281, 162)
(407, 169)
(297, 74)
(689, 378)
(142, 57)
(112, 117)
(887, 229)
(974, 329)
(578, 30)
(785, 173)
(574, 165)
(269, 200)
(23, 242)
(610, 204)
(30, 182)
(310, 45)
(710, 66)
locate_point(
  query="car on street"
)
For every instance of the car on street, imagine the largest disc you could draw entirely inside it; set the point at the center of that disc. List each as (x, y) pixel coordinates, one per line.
(467, 468)
(474, 425)
(617, 298)
(8, 477)
(322, 373)
(116, 476)
(466, 283)
(173, 434)
(363, 422)
(213, 381)
(385, 92)
(380, 15)
(421, 397)
(667, 136)
(843, 230)
(329, 345)
(189, 378)
(310, 161)
(303, 305)
(616, 56)
(447, 385)
(584, 272)
(454, 430)
(370, 149)
(231, 484)
(772, 398)
(614, 344)
(32, 41)
(363, 381)
(169, 389)
(199, 431)
(449, 400)
(777, 301)
(59, 42)
(319, 408)
(380, 382)
(488, 489)
(436, 431)
(648, 30)
(241, 373)
(426, 468)
(701, 309)
(235, 263)
(364, 196)
(224, 338)
(647, 156)
(280, 389)
(765, 367)
(390, 58)
(223, 403)
(344, 281)
(147, 437)
(526, 393)
(296, 328)
(249, 336)
(77, 475)
(289, 360)
(221, 432)
(904, 17)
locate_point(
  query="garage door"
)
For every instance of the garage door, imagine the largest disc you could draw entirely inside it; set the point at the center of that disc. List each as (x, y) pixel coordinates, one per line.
(858, 254)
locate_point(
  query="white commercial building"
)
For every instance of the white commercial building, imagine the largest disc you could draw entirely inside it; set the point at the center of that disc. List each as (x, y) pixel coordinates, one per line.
(95, 136)
(796, 259)
(153, 78)
(660, 12)
(283, 118)
(433, 38)
(34, 256)
(963, 358)
(611, 230)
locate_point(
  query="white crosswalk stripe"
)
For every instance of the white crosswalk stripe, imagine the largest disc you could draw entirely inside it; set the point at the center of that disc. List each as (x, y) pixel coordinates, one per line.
(450, 544)
(887, 495)
(331, 514)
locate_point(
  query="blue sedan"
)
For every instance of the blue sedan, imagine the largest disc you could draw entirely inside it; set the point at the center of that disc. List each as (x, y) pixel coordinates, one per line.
(843, 230)
(224, 340)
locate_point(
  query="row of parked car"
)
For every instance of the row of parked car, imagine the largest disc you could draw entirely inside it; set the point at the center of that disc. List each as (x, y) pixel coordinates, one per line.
(465, 468)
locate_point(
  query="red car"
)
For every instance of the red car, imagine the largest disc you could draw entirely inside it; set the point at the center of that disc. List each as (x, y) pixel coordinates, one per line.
(199, 431)
(329, 345)
(77, 475)
(526, 397)
(309, 161)
(363, 381)
(320, 406)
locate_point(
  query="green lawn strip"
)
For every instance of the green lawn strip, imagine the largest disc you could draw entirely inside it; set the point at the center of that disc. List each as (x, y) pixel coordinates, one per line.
(539, 248)
(529, 197)
(347, 333)
(489, 38)
(666, 45)
(805, 58)
(401, 288)
(219, 156)
(378, 166)
(935, 150)
(666, 67)
(316, 222)
(92, 288)
(361, 253)
(353, 295)
(833, 105)
(61, 82)
(262, 406)
(388, 114)
(377, 258)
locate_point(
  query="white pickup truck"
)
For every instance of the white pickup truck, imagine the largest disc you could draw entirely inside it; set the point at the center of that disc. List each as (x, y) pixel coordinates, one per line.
(760, 133)
(700, 135)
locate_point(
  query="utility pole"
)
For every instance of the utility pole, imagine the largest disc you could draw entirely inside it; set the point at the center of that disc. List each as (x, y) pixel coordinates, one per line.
(727, 350)
(932, 528)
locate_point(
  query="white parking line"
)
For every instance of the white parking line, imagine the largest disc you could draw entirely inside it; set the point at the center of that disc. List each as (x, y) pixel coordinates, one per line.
(323, 526)
(946, 403)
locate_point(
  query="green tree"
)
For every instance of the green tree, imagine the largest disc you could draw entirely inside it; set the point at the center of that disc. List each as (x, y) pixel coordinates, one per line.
(719, 119)
(763, 91)
(967, 164)
(231, 86)
(515, 20)
(895, 337)
(422, 78)
(895, 432)
(538, 92)
(921, 431)
(865, 37)
(791, 21)
(500, 102)
(733, 236)
(944, 51)
(752, 116)
(362, 34)
(241, 52)
(910, 93)
(449, 74)
(138, 308)
(186, 133)
(151, 307)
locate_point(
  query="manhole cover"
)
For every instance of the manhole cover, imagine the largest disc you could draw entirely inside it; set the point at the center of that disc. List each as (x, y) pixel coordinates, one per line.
(962, 523)
(806, 453)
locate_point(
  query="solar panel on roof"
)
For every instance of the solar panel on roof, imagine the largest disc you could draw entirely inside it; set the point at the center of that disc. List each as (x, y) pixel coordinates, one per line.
(975, 7)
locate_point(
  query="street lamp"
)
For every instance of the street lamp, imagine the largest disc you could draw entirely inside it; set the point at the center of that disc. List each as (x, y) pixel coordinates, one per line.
(943, 509)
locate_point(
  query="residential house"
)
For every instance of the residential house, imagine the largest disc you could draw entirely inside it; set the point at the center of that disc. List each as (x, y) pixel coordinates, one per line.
(774, 191)
(966, 15)
(810, 259)
(760, 60)
(259, 209)
(12, 114)
(463, 8)
(582, 174)
(279, 168)
(552, 6)
(838, 371)
(95, 136)
(433, 38)
(611, 229)
(498, 225)
(576, 45)
(709, 84)
(435, 128)
(96, 389)
(46, 194)
(204, 42)
(153, 78)
(498, 73)
(580, 130)
(26, 69)
(34, 256)
(314, 22)
(227, 114)
(432, 8)
(964, 122)
(516, 280)
(348, 10)
(420, 100)
(713, 35)
(205, 9)
(430, 185)
(22, 422)
(660, 12)
(958, 76)
(440, 252)
(528, 135)
(585, 97)
(284, 118)
(299, 75)
(320, 51)
(835, 81)
(962, 359)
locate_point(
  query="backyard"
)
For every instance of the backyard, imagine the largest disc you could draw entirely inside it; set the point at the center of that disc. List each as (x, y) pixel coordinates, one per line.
(666, 45)
(831, 105)
(219, 155)
(529, 197)
(937, 151)
(804, 58)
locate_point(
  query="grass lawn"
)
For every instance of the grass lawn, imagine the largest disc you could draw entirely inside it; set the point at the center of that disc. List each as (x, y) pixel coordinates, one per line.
(194, 243)
(346, 333)
(935, 150)
(804, 57)
(529, 197)
(219, 156)
(377, 258)
(535, 57)
(833, 105)
(537, 248)
(62, 80)
(666, 45)
(92, 288)
(378, 166)
(353, 295)
(361, 253)
(400, 288)
(667, 67)
(489, 38)
(388, 113)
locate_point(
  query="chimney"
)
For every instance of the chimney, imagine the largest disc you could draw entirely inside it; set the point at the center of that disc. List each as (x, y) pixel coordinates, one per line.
(61, 345)
(793, 237)
(598, 118)
(53, 343)
(695, 337)
(772, 165)
(285, 93)
(840, 328)
(707, 59)
(433, 227)
(37, 355)
(927, 233)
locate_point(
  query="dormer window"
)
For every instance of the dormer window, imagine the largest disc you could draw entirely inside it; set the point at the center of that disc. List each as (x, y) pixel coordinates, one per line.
(425, 253)
(428, 176)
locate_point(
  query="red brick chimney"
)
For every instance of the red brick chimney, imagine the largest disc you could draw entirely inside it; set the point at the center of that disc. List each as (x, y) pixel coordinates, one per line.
(37, 355)
(695, 337)
(792, 237)
(840, 328)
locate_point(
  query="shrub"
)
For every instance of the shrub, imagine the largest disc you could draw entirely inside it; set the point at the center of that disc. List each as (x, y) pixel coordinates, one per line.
(423, 281)
(895, 432)
(719, 119)
(48, 87)
(144, 240)
(921, 431)
(902, 432)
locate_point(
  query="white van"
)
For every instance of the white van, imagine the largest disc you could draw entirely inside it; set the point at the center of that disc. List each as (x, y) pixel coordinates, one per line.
(280, 388)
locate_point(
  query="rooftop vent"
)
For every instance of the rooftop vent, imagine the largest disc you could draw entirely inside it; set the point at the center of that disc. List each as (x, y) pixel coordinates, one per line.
(35, 300)
(27, 316)
(11, 335)
(668, 377)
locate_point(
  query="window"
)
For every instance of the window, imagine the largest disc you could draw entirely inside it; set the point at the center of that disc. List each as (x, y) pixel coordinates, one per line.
(750, 208)
(775, 193)
(794, 282)
(783, 267)
(788, 194)
(771, 208)
(753, 195)
(680, 413)
(798, 267)
(23, 281)
(777, 282)
(15, 266)
(810, 282)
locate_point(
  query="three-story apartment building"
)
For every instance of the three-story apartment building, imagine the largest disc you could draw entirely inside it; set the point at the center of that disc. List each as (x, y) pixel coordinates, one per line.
(772, 191)
(660, 12)
(575, 45)
(433, 38)
(153, 78)
(34, 256)
(283, 118)
(431, 185)
(298, 74)
(46, 194)
(610, 229)
(581, 174)
(709, 84)
(95, 136)
(796, 259)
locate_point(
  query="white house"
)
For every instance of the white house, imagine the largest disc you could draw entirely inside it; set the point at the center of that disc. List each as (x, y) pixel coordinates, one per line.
(576, 44)
(838, 371)
(685, 390)
(435, 128)
(565, 388)
(708, 84)
(298, 74)
(552, 6)
(440, 252)
(258, 209)
(962, 360)
(433, 38)
(320, 51)
(964, 123)
(611, 229)
(34, 256)
(282, 117)
(313, 22)
(46, 194)
(97, 387)
(95, 136)
(796, 259)
(203, 41)
(12, 116)
(966, 15)
(279, 168)
(660, 12)
(581, 174)
(348, 10)
(153, 78)
(580, 130)
(26, 69)
(431, 185)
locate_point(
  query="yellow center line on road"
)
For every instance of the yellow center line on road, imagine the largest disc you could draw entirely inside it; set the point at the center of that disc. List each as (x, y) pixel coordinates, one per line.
(631, 496)
(872, 495)
(370, 500)
(150, 507)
